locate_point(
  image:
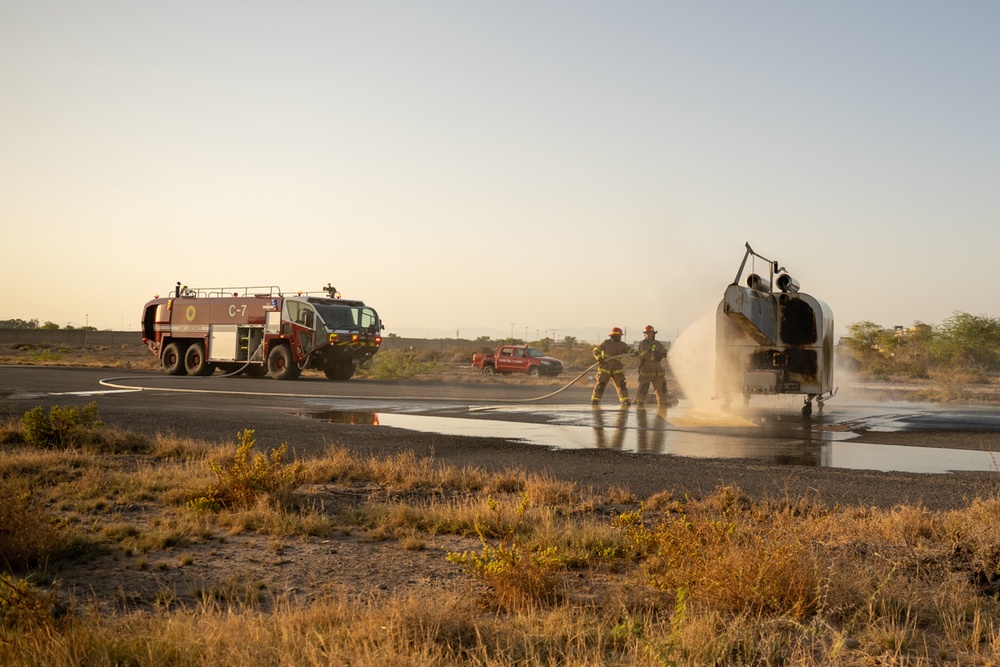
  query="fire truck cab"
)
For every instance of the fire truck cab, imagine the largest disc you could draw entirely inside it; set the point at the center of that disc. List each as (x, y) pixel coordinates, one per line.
(260, 331)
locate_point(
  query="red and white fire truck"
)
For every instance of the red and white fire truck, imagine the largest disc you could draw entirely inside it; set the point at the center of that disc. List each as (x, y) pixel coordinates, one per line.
(259, 331)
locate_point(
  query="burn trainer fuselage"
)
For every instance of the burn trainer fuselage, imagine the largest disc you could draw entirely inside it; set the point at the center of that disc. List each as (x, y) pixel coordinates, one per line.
(773, 341)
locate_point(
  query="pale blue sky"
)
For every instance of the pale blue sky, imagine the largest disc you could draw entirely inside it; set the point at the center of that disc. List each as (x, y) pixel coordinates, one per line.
(466, 166)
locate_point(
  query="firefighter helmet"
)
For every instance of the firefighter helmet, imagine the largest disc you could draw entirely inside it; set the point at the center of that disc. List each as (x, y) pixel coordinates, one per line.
(615, 332)
(649, 329)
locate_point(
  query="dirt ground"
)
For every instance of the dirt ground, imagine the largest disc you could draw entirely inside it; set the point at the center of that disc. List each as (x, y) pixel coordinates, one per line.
(257, 567)
(366, 565)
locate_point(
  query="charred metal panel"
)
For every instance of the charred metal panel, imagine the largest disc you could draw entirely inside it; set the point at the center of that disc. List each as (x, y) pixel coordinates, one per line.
(798, 321)
(801, 361)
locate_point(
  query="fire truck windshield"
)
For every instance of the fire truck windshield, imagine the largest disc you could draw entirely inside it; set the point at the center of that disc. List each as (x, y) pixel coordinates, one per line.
(337, 316)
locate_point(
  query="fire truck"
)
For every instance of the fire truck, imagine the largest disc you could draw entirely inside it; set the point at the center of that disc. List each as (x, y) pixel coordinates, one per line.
(260, 331)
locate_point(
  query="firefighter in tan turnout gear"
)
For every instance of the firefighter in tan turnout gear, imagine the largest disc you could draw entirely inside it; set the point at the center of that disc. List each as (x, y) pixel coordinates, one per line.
(651, 353)
(609, 367)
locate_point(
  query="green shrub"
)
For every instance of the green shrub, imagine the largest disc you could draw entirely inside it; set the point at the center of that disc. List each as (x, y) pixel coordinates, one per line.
(248, 477)
(43, 356)
(61, 427)
(515, 574)
(24, 606)
(399, 365)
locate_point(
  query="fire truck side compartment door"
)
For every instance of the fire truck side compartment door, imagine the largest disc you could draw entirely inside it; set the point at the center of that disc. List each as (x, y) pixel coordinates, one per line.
(222, 342)
(272, 322)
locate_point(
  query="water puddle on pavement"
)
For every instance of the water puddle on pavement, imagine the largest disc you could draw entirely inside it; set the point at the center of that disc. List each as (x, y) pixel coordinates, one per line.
(784, 440)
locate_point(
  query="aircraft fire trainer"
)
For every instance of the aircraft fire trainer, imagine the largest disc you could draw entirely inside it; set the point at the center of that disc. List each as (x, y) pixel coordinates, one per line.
(771, 339)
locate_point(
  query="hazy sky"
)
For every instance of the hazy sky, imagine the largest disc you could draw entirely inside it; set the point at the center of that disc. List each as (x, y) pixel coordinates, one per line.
(482, 166)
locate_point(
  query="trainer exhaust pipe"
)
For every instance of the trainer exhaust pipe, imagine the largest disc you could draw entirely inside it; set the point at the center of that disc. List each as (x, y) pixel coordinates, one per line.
(758, 284)
(787, 284)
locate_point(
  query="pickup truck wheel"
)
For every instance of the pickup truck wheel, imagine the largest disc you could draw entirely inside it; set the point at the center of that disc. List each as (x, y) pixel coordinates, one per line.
(534, 372)
(489, 370)
(173, 359)
(281, 364)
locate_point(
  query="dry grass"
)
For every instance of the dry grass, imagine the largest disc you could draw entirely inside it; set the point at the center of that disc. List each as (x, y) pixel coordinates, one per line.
(553, 573)
(133, 357)
(446, 365)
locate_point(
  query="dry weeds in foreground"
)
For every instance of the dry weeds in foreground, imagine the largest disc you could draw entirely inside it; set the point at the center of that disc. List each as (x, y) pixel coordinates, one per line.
(554, 574)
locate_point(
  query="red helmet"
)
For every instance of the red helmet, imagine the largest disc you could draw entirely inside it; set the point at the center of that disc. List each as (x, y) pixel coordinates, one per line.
(615, 332)
(649, 329)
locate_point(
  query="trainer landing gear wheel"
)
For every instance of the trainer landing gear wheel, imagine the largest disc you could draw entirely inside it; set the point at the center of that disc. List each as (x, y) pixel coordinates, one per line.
(807, 409)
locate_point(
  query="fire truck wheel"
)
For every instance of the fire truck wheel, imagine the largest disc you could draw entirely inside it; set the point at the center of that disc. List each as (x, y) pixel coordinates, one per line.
(173, 359)
(341, 371)
(255, 370)
(533, 371)
(195, 362)
(489, 370)
(281, 365)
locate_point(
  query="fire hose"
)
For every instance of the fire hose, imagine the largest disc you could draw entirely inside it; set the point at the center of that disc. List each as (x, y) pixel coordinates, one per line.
(110, 382)
(566, 386)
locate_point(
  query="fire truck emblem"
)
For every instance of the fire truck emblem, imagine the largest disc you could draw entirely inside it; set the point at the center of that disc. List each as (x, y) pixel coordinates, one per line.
(189, 313)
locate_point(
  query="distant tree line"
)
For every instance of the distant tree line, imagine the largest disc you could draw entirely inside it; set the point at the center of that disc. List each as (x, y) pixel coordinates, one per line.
(543, 344)
(47, 326)
(964, 343)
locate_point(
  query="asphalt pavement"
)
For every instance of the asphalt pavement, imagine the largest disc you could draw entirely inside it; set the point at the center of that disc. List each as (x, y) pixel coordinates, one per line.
(770, 451)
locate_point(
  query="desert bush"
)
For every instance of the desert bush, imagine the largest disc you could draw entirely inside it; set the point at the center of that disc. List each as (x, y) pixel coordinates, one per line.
(23, 606)
(11, 431)
(729, 560)
(26, 537)
(398, 365)
(241, 482)
(61, 427)
(516, 574)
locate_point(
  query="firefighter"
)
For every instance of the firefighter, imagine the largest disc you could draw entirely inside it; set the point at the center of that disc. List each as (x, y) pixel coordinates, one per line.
(651, 353)
(609, 367)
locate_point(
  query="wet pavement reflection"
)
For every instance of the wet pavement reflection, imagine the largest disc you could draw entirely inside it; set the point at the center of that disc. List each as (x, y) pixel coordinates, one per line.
(834, 439)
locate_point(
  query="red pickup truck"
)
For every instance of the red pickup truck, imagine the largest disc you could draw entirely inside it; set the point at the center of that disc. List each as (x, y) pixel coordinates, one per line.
(517, 359)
